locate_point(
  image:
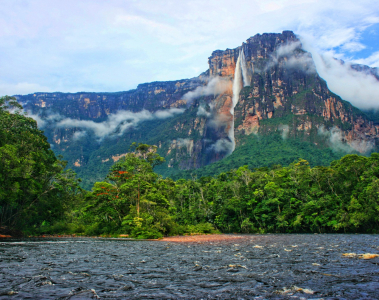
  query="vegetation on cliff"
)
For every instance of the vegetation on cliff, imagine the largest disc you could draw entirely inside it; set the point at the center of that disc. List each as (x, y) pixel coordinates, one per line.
(134, 200)
(282, 95)
(38, 196)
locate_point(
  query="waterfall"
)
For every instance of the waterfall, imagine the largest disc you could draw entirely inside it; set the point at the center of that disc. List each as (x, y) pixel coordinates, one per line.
(244, 69)
(237, 83)
(237, 86)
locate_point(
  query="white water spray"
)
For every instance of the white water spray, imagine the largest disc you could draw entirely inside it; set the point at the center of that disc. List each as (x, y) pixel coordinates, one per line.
(244, 69)
(237, 86)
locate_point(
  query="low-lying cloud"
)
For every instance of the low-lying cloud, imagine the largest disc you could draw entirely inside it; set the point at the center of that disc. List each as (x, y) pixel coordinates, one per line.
(219, 120)
(203, 112)
(116, 124)
(184, 142)
(294, 59)
(285, 129)
(361, 89)
(78, 135)
(287, 49)
(301, 61)
(40, 122)
(215, 86)
(336, 139)
(358, 87)
(222, 145)
(168, 113)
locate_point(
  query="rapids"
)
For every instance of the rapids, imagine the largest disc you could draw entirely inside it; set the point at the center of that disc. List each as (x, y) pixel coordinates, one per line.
(244, 267)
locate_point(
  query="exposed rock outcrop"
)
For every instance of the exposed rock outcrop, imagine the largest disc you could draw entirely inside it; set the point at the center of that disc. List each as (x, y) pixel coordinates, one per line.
(283, 93)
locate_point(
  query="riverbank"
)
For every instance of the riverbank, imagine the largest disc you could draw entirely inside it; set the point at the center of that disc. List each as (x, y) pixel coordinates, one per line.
(195, 238)
(204, 238)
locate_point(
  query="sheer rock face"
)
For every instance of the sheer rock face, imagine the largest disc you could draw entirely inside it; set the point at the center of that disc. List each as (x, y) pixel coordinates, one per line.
(285, 95)
(285, 89)
(258, 47)
(97, 106)
(223, 63)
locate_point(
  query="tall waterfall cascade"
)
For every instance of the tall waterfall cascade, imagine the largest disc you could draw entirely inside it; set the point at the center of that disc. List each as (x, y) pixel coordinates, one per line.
(245, 75)
(241, 79)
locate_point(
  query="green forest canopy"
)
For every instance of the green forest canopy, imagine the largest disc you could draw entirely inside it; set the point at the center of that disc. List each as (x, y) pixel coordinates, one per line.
(34, 187)
(38, 196)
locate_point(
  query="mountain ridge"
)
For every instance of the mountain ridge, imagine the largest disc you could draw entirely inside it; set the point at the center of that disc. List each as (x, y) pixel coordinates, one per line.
(195, 120)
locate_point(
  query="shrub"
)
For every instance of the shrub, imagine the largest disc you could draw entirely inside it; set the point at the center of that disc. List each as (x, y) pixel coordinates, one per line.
(201, 228)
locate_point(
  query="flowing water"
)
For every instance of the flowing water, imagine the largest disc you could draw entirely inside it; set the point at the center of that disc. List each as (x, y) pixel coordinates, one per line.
(252, 267)
(237, 86)
(241, 79)
(245, 75)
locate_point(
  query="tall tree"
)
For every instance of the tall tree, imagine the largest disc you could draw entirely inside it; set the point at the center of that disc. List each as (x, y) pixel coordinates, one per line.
(33, 188)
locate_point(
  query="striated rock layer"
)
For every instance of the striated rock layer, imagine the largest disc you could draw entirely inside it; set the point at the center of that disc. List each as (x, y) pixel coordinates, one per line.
(284, 85)
(284, 94)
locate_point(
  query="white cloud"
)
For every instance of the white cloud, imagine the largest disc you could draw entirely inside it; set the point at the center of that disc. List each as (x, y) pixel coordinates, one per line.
(222, 145)
(79, 135)
(215, 86)
(219, 120)
(184, 142)
(116, 124)
(336, 140)
(43, 121)
(353, 46)
(94, 45)
(202, 111)
(359, 88)
(303, 62)
(294, 59)
(285, 129)
(40, 122)
(119, 122)
(54, 117)
(168, 113)
(287, 49)
(372, 60)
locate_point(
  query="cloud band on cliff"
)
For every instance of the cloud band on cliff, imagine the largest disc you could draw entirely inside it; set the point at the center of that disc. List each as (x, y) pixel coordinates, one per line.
(295, 58)
(222, 145)
(336, 139)
(361, 89)
(215, 86)
(116, 124)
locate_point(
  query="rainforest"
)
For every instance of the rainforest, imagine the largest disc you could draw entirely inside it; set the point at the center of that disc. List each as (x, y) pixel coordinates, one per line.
(38, 196)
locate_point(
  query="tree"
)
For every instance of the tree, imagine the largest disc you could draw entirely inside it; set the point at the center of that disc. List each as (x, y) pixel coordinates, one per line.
(133, 197)
(31, 178)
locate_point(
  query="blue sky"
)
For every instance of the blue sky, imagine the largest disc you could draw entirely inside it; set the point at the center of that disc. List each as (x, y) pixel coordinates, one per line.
(98, 45)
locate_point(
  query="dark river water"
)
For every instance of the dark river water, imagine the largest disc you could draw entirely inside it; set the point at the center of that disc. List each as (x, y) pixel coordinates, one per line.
(254, 267)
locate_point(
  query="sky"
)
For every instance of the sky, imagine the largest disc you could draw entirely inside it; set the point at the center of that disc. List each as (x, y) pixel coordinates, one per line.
(114, 45)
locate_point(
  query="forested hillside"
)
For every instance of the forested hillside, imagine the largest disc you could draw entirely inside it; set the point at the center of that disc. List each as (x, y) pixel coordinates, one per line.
(265, 88)
(256, 143)
(134, 200)
(38, 197)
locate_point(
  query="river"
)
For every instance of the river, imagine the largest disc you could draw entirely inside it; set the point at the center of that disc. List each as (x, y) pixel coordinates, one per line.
(274, 266)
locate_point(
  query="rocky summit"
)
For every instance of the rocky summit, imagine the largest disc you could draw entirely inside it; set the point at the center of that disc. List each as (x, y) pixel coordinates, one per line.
(265, 94)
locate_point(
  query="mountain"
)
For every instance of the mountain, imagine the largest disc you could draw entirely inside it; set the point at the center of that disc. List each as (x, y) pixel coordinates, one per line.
(259, 104)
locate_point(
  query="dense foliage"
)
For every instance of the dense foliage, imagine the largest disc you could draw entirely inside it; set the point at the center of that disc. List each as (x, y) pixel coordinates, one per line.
(265, 149)
(34, 189)
(258, 151)
(134, 200)
(38, 196)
